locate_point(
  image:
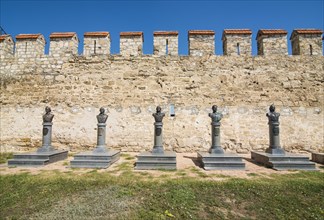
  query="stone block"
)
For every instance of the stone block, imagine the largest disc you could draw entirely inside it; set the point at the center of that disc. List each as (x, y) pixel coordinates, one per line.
(37, 158)
(156, 161)
(318, 157)
(283, 162)
(225, 161)
(93, 159)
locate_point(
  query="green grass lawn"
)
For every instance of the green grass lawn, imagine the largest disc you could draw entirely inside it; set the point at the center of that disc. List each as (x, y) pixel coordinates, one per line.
(94, 195)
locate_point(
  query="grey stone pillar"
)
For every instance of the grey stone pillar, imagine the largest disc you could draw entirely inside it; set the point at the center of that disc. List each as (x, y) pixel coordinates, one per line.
(47, 131)
(216, 145)
(101, 133)
(158, 141)
(101, 138)
(215, 131)
(47, 138)
(274, 140)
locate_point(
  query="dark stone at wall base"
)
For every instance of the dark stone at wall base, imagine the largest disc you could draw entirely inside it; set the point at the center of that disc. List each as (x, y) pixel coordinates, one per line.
(318, 157)
(37, 158)
(92, 159)
(225, 161)
(156, 161)
(283, 162)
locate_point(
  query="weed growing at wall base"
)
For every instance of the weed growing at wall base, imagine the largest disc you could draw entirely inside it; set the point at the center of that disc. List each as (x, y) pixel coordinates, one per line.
(4, 157)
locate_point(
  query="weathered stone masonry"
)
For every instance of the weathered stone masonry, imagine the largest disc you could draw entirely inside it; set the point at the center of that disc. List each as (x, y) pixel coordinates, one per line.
(130, 87)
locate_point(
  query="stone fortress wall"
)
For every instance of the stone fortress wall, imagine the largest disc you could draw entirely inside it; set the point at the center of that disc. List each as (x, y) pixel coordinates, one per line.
(130, 85)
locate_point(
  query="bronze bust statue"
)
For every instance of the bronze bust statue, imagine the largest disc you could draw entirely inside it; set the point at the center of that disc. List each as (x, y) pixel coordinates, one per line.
(158, 116)
(272, 115)
(48, 116)
(215, 116)
(102, 117)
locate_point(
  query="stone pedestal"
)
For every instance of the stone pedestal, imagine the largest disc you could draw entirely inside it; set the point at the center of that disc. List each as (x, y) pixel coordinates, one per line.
(275, 157)
(46, 153)
(157, 159)
(101, 139)
(47, 138)
(158, 145)
(318, 157)
(274, 146)
(34, 159)
(100, 157)
(93, 159)
(224, 161)
(215, 131)
(216, 158)
(285, 161)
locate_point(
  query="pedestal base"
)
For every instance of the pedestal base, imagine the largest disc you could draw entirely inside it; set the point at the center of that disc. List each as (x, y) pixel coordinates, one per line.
(156, 161)
(44, 149)
(318, 157)
(100, 149)
(283, 162)
(91, 159)
(157, 150)
(225, 161)
(216, 150)
(273, 151)
(37, 158)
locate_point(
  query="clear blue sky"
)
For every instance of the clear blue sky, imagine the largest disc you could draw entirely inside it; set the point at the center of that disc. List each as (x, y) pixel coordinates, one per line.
(44, 16)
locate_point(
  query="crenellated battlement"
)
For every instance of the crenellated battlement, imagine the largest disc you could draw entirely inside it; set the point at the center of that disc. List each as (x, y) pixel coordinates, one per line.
(29, 45)
(165, 43)
(131, 43)
(236, 42)
(96, 43)
(6, 46)
(63, 44)
(201, 42)
(272, 42)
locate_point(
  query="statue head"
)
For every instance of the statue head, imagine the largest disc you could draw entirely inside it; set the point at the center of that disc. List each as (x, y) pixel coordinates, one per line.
(102, 110)
(214, 108)
(272, 108)
(158, 109)
(47, 109)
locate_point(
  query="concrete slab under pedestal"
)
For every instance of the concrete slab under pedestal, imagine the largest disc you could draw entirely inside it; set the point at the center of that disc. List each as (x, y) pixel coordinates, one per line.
(318, 157)
(226, 161)
(285, 161)
(37, 158)
(90, 159)
(156, 161)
